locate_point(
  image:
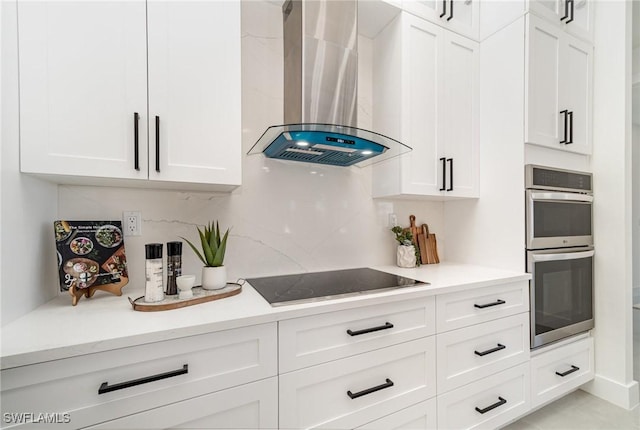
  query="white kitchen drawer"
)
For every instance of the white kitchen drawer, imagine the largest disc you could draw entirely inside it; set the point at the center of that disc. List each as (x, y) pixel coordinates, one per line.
(319, 338)
(470, 307)
(416, 417)
(507, 392)
(249, 406)
(320, 396)
(574, 361)
(470, 353)
(214, 361)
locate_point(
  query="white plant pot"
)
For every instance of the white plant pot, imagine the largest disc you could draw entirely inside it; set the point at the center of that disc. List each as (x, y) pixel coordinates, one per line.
(406, 256)
(214, 278)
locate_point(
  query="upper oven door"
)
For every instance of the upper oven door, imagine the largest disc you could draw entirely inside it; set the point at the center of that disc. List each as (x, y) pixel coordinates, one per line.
(558, 220)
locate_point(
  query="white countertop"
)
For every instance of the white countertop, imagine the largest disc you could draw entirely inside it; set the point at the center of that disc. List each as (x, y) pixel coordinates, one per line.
(58, 330)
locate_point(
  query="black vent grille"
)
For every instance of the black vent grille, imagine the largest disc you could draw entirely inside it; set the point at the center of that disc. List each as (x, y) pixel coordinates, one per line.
(334, 158)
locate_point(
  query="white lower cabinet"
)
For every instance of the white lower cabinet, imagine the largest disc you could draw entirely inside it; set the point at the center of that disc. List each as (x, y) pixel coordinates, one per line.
(560, 370)
(416, 417)
(249, 406)
(350, 392)
(487, 403)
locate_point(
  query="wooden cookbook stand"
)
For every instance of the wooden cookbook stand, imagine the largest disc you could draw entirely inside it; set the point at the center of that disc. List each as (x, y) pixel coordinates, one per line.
(115, 288)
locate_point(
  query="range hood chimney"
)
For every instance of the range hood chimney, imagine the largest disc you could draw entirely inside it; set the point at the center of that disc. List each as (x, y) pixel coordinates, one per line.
(320, 90)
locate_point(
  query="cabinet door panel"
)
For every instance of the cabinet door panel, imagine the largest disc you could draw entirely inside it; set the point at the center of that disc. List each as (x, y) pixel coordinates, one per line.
(577, 90)
(82, 77)
(194, 88)
(582, 24)
(461, 113)
(542, 102)
(422, 122)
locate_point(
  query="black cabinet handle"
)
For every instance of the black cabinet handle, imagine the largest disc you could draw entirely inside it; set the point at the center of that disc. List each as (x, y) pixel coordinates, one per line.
(566, 127)
(566, 10)
(136, 143)
(487, 305)
(500, 402)
(157, 143)
(105, 387)
(450, 160)
(387, 384)
(450, 11)
(444, 173)
(568, 372)
(386, 326)
(570, 19)
(444, 8)
(570, 115)
(489, 351)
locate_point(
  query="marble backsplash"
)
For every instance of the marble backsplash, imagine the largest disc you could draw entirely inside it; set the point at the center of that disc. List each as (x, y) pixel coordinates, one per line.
(286, 217)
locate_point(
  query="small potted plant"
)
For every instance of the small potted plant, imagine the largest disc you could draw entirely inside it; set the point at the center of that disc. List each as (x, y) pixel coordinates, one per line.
(214, 273)
(407, 255)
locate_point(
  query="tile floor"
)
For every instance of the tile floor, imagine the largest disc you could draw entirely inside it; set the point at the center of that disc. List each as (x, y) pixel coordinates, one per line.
(582, 411)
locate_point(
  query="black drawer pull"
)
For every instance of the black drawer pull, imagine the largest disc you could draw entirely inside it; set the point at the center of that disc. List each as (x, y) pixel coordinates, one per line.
(136, 142)
(568, 372)
(500, 402)
(487, 305)
(386, 326)
(387, 384)
(489, 351)
(105, 387)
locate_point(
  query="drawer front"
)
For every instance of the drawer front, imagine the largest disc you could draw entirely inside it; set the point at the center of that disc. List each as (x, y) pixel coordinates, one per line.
(320, 338)
(350, 392)
(470, 353)
(417, 417)
(465, 308)
(213, 362)
(487, 403)
(561, 370)
(249, 406)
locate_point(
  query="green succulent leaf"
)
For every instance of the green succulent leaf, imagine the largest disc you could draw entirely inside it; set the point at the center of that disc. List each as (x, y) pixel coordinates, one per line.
(195, 250)
(213, 247)
(219, 258)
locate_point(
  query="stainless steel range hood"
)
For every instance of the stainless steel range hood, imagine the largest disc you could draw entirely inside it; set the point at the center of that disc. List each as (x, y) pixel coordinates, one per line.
(320, 90)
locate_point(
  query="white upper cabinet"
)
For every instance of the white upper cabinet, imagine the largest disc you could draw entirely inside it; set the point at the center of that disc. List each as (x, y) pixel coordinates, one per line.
(426, 95)
(83, 76)
(574, 16)
(460, 16)
(96, 76)
(558, 103)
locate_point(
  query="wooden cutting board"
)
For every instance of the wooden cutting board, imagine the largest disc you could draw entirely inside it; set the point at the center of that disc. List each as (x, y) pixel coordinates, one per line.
(430, 255)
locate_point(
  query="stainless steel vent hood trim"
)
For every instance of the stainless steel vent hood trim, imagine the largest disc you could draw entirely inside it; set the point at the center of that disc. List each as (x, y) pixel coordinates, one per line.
(320, 91)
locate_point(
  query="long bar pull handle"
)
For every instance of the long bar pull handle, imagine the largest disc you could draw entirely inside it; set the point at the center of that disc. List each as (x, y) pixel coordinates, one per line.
(106, 388)
(566, 10)
(450, 160)
(570, 19)
(136, 142)
(490, 351)
(450, 11)
(500, 402)
(487, 305)
(388, 383)
(568, 372)
(386, 326)
(565, 112)
(444, 8)
(570, 114)
(157, 143)
(444, 173)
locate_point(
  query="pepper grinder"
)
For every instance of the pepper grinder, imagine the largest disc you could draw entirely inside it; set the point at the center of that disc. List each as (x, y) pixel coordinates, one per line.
(174, 266)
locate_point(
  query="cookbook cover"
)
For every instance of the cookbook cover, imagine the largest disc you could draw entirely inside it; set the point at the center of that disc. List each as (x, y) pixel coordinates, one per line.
(89, 253)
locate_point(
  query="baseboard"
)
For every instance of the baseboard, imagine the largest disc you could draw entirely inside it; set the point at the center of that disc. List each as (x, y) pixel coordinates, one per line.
(626, 396)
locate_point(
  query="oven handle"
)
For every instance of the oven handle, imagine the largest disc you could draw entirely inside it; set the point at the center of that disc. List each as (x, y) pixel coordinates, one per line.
(562, 256)
(562, 197)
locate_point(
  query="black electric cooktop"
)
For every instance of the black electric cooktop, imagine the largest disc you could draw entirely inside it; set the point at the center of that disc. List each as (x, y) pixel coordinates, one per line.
(310, 287)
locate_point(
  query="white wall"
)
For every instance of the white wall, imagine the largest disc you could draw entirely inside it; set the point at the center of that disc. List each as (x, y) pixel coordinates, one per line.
(286, 217)
(28, 205)
(611, 165)
(490, 230)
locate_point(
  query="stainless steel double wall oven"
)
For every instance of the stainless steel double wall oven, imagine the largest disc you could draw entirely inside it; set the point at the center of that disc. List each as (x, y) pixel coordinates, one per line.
(559, 243)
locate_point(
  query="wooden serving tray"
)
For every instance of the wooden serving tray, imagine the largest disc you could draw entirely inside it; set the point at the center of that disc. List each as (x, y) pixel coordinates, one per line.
(173, 302)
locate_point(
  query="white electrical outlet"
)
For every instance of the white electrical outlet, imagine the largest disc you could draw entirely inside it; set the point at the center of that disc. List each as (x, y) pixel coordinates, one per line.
(393, 220)
(132, 223)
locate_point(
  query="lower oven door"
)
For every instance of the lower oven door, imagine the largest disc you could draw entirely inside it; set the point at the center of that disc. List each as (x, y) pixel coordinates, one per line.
(561, 293)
